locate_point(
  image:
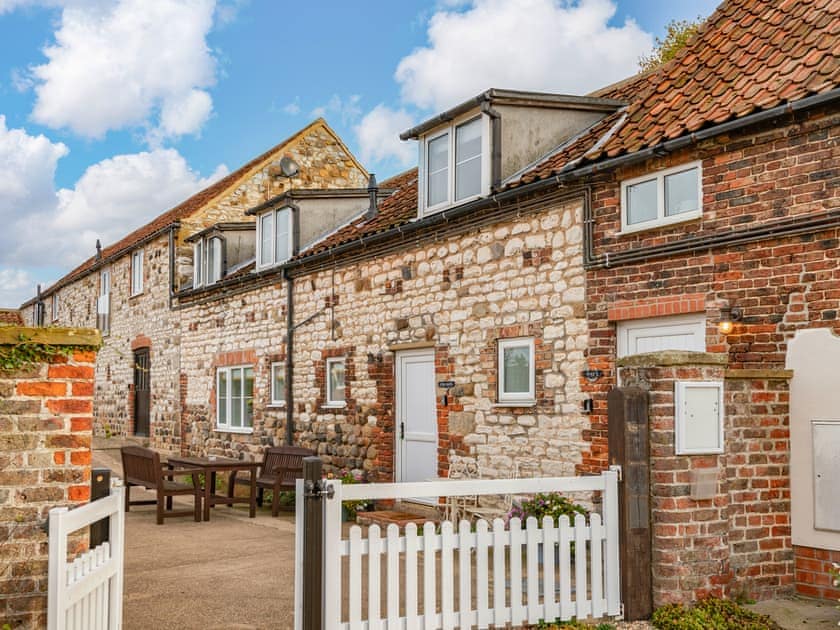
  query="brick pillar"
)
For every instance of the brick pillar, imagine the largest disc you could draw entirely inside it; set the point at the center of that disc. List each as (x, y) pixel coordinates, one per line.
(45, 460)
(737, 542)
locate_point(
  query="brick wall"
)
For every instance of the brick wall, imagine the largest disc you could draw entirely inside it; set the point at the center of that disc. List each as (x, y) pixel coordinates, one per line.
(812, 567)
(45, 462)
(738, 541)
(782, 283)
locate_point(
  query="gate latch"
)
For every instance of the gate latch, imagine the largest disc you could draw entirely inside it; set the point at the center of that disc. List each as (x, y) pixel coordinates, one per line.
(318, 489)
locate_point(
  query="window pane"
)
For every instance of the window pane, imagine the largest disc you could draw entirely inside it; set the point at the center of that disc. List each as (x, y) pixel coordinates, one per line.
(248, 400)
(681, 192)
(641, 202)
(282, 230)
(236, 397)
(214, 260)
(438, 167)
(197, 264)
(278, 383)
(336, 376)
(266, 238)
(468, 159)
(222, 397)
(517, 368)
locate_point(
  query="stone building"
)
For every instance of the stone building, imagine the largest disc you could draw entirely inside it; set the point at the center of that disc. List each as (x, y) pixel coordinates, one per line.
(127, 289)
(452, 311)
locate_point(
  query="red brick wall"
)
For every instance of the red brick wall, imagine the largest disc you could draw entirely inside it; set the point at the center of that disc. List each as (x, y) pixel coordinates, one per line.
(782, 283)
(737, 542)
(45, 462)
(812, 566)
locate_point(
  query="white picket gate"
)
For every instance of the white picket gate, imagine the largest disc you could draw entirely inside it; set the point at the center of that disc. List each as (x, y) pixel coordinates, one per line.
(86, 593)
(514, 574)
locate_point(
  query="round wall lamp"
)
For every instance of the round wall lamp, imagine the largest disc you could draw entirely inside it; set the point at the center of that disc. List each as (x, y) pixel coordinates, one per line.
(728, 316)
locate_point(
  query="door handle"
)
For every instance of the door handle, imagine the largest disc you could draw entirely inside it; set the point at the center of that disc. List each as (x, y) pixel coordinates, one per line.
(402, 430)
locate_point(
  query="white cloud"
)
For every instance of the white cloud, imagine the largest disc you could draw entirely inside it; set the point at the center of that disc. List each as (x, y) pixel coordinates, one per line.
(347, 109)
(43, 226)
(378, 134)
(16, 286)
(545, 45)
(125, 64)
(293, 108)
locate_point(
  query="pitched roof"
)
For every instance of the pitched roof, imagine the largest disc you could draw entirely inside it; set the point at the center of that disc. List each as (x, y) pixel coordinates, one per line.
(10, 317)
(184, 209)
(749, 55)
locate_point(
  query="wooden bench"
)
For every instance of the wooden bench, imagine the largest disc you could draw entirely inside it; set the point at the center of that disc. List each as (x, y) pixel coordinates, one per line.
(280, 468)
(142, 467)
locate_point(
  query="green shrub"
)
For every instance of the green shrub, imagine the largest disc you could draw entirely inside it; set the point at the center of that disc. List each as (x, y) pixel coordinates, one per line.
(710, 614)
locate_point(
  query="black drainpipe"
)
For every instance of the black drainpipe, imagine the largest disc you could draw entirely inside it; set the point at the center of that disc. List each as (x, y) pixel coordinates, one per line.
(290, 348)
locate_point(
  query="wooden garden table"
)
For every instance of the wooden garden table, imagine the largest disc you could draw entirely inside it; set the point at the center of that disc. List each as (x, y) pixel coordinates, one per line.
(211, 465)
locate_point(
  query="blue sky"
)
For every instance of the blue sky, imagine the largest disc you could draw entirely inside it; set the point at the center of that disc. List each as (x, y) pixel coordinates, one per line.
(112, 111)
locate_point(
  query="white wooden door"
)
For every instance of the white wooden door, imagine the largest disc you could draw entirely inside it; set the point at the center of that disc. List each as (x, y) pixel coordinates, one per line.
(680, 332)
(416, 429)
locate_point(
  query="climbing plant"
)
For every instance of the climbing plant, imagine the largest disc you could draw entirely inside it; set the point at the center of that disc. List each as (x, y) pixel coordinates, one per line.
(25, 352)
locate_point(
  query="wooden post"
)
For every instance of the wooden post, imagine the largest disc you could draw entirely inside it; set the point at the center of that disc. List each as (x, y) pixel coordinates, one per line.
(629, 448)
(100, 487)
(313, 545)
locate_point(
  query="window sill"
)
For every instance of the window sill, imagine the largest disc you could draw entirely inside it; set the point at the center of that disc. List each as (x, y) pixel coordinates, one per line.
(659, 223)
(334, 406)
(276, 405)
(135, 295)
(518, 403)
(244, 430)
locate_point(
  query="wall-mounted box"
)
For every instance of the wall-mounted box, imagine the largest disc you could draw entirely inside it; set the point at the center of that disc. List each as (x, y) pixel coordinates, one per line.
(826, 436)
(698, 420)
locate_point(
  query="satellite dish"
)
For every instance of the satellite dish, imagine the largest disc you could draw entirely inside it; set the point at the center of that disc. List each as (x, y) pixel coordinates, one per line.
(289, 167)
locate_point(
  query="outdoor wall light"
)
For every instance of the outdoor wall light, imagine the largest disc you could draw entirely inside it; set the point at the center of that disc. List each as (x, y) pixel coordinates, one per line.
(728, 316)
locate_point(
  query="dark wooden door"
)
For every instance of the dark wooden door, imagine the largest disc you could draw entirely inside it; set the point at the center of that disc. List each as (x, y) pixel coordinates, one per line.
(141, 392)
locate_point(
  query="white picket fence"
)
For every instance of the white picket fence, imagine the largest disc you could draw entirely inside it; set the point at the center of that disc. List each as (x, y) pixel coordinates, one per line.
(86, 593)
(502, 574)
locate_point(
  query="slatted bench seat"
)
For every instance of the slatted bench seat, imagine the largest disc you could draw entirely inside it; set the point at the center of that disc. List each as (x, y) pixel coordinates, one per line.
(280, 468)
(142, 467)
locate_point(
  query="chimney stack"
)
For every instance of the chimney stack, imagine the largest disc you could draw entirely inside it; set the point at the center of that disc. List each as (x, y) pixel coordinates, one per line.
(373, 193)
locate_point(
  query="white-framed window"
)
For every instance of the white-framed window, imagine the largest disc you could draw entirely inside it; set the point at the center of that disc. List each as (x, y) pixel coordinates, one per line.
(137, 272)
(455, 164)
(668, 196)
(278, 383)
(235, 398)
(516, 371)
(336, 391)
(54, 306)
(274, 237)
(103, 302)
(207, 261)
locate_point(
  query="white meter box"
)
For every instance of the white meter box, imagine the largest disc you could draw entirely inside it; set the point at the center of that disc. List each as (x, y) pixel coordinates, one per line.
(698, 418)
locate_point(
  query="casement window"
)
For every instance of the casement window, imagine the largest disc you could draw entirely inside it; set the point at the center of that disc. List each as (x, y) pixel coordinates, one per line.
(669, 196)
(455, 164)
(207, 261)
(336, 392)
(278, 384)
(54, 306)
(235, 398)
(274, 237)
(103, 302)
(516, 372)
(137, 272)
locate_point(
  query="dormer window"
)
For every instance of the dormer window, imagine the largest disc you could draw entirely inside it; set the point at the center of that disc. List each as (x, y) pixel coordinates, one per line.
(274, 237)
(207, 261)
(456, 164)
